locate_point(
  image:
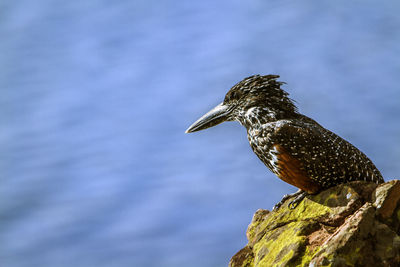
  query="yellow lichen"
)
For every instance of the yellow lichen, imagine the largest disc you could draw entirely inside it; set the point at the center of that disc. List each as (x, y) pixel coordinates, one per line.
(277, 243)
(287, 232)
(307, 256)
(249, 262)
(306, 210)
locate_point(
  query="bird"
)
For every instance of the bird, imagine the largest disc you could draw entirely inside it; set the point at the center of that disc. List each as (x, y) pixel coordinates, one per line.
(293, 146)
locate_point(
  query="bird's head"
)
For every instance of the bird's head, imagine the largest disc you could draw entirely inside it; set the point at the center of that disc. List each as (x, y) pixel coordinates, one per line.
(256, 99)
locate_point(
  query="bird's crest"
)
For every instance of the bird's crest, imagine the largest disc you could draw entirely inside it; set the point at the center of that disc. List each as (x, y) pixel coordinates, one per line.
(261, 90)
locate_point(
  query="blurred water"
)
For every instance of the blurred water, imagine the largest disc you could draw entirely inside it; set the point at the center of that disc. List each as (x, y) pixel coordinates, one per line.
(95, 169)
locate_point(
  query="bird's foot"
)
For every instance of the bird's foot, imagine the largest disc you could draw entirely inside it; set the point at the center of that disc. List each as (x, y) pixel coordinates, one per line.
(298, 197)
(293, 204)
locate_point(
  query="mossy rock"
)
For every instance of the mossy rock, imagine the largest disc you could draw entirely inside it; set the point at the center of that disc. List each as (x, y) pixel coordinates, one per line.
(354, 224)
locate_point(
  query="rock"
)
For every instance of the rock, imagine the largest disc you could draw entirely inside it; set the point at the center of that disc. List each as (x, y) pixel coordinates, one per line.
(354, 224)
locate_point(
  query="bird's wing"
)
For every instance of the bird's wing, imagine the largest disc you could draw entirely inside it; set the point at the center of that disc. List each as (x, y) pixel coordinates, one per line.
(291, 170)
(302, 154)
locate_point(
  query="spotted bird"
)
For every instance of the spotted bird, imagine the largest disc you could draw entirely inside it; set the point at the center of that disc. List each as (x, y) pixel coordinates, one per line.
(293, 146)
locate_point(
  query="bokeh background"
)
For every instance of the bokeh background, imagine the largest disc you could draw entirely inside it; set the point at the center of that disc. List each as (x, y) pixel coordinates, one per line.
(95, 96)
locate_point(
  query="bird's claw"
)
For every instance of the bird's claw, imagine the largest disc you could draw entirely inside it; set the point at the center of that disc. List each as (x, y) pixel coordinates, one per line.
(293, 204)
(298, 197)
(280, 203)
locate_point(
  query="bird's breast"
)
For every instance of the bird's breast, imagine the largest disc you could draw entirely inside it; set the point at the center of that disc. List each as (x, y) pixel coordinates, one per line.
(265, 145)
(260, 140)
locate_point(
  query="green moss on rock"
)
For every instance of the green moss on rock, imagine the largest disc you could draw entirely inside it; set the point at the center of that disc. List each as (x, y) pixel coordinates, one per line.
(341, 226)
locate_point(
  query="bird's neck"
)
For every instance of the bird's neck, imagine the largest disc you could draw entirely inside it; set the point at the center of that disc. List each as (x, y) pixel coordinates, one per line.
(256, 117)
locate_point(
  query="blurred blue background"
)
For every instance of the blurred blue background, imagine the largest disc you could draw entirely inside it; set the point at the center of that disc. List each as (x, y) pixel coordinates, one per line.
(95, 168)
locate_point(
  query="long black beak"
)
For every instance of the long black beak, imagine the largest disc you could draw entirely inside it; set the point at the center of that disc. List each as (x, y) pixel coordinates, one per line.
(215, 116)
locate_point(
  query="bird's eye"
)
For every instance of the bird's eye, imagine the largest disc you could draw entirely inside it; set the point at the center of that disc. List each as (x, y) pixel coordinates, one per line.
(233, 95)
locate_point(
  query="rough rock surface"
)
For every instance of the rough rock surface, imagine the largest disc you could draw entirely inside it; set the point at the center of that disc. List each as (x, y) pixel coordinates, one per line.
(354, 224)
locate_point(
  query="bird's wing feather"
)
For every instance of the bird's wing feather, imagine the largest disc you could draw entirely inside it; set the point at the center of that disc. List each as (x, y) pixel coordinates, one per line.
(324, 156)
(291, 171)
(304, 154)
